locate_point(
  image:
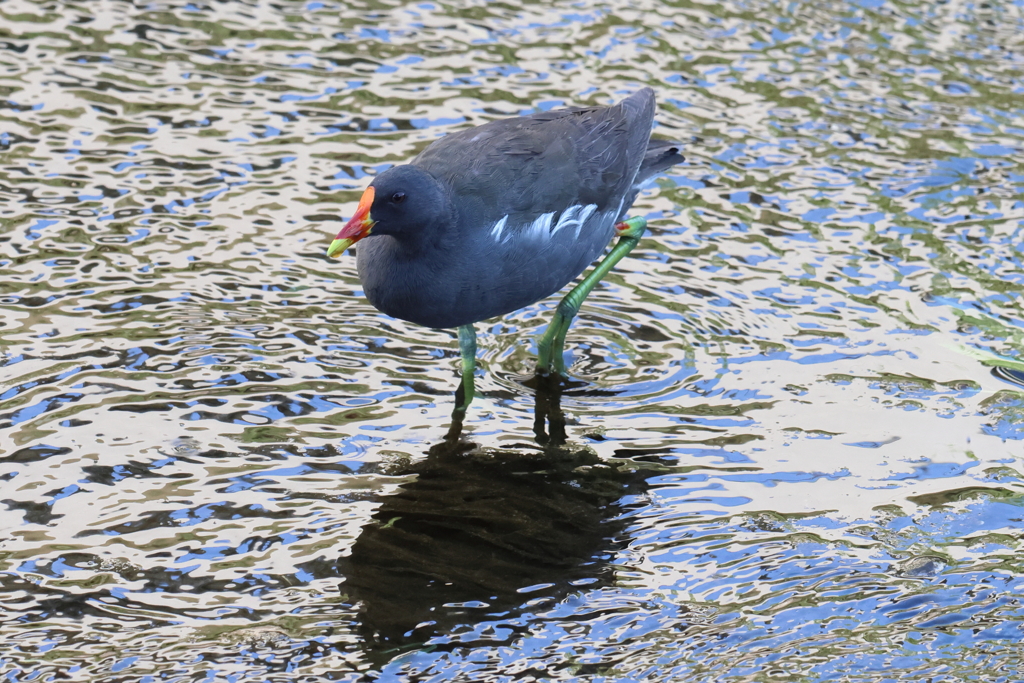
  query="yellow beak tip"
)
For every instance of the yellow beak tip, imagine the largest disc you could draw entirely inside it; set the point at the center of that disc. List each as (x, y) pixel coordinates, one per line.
(337, 247)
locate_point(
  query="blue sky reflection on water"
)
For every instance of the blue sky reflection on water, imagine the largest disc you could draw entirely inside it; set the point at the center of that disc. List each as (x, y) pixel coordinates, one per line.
(790, 457)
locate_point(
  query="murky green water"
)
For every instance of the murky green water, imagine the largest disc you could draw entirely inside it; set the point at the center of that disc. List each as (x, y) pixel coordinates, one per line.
(788, 456)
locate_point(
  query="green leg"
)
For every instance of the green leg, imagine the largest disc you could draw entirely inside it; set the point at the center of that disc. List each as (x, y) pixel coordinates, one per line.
(464, 394)
(552, 344)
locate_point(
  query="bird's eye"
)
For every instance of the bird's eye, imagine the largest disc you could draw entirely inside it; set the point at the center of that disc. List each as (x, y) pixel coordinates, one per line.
(398, 197)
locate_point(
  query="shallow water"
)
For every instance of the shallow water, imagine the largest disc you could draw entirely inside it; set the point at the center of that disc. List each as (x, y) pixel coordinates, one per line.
(788, 455)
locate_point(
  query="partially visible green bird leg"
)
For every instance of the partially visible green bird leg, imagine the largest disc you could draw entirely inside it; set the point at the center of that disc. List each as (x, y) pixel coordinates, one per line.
(551, 348)
(464, 394)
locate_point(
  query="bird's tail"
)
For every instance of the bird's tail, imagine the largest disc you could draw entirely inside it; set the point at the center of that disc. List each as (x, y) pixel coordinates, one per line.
(660, 156)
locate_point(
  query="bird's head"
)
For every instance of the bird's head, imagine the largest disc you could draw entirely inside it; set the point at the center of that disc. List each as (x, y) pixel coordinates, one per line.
(403, 201)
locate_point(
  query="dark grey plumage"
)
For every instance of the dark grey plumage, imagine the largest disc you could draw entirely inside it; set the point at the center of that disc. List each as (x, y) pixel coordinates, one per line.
(491, 219)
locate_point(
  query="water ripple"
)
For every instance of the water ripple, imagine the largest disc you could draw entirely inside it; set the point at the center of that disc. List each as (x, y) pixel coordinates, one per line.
(794, 423)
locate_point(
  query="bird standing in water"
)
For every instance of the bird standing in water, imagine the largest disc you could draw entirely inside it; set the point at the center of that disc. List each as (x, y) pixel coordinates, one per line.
(491, 219)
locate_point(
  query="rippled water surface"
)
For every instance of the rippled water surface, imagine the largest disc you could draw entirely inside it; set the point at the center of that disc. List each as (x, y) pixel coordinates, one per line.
(796, 421)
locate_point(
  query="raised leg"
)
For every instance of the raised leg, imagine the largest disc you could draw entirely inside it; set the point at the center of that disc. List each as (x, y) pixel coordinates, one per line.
(464, 394)
(551, 349)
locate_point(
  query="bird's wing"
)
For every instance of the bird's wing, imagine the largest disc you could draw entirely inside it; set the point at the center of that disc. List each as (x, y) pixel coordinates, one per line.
(546, 163)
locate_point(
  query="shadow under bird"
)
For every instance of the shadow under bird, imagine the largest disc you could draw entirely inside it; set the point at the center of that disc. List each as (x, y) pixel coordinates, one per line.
(491, 219)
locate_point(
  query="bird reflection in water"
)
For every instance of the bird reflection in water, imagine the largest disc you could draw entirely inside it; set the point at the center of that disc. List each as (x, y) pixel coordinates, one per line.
(466, 540)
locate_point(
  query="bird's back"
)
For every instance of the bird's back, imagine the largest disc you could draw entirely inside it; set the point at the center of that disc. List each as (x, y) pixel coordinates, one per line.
(546, 161)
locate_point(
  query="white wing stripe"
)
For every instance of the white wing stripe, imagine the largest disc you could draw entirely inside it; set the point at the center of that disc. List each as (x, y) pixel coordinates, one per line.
(498, 227)
(542, 228)
(568, 217)
(585, 214)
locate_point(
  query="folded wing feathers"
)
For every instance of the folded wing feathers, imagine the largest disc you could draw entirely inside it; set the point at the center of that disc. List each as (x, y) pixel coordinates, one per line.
(613, 155)
(545, 226)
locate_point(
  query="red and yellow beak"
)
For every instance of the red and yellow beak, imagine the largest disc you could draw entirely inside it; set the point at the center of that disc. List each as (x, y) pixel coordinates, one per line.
(357, 228)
